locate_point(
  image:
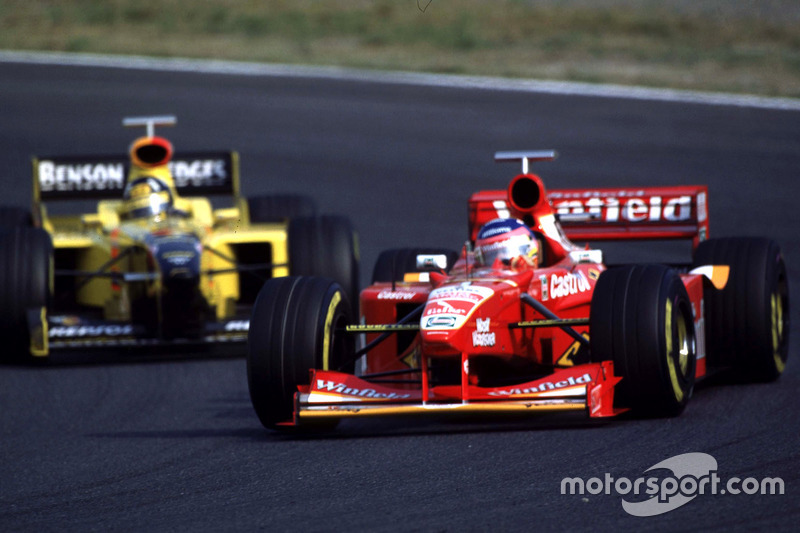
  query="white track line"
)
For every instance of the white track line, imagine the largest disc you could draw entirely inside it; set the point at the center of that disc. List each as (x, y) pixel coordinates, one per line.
(240, 68)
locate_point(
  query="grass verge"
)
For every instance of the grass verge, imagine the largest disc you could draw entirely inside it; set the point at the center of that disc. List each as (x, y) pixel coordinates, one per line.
(718, 46)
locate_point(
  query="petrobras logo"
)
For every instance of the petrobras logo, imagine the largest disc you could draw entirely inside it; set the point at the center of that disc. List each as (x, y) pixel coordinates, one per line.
(621, 206)
(77, 177)
(344, 390)
(568, 284)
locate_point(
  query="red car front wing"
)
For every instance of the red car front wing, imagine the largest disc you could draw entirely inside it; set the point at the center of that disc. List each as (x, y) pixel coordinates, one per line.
(588, 388)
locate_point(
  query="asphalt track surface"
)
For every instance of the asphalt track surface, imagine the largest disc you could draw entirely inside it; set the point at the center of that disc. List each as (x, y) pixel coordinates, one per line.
(172, 443)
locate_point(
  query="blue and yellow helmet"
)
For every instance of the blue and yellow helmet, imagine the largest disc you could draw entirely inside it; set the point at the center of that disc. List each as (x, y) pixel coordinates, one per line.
(146, 196)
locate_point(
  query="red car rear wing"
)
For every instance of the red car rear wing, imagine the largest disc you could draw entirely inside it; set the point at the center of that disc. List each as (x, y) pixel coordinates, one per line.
(596, 214)
(626, 213)
(679, 212)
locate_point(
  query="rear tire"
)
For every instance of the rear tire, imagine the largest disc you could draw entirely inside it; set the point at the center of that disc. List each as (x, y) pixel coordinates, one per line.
(26, 256)
(641, 319)
(394, 263)
(325, 246)
(294, 328)
(280, 207)
(747, 322)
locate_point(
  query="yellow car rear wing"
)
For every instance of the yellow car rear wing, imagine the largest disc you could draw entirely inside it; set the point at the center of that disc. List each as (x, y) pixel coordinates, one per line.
(103, 177)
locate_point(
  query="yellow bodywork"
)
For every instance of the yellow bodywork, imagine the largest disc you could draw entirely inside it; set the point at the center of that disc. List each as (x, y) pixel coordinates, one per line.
(94, 238)
(90, 242)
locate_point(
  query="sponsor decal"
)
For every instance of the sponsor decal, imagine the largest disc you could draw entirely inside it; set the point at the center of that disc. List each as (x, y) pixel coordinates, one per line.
(482, 336)
(104, 330)
(457, 301)
(396, 295)
(566, 358)
(498, 229)
(105, 176)
(81, 177)
(237, 325)
(441, 322)
(702, 210)
(464, 292)
(178, 258)
(444, 307)
(199, 172)
(568, 284)
(66, 320)
(543, 387)
(625, 206)
(412, 359)
(344, 390)
(545, 292)
(583, 195)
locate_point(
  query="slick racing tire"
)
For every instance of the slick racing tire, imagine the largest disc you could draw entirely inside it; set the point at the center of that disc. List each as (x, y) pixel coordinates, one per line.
(280, 207)
(12, 217)
(641, 319)
(747, 322)
(295, 327)
(325, 246)
(393, 264)
(25, 285)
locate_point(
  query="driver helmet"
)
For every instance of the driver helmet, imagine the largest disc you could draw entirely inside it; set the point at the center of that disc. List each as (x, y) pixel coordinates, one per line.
(508, 240)
(146, 196)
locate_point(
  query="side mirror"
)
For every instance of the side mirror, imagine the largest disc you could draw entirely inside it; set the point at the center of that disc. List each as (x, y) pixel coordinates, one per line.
(431, 261)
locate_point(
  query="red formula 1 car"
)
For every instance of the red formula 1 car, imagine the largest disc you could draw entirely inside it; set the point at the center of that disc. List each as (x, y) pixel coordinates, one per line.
(546, 327)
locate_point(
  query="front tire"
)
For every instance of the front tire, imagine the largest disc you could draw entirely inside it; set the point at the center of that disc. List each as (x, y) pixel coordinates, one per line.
(295, 327)
(26, 256)
(641, 319)
(747, 322)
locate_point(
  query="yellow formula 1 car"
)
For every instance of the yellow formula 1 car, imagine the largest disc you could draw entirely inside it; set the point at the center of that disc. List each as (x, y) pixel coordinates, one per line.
(157, 262)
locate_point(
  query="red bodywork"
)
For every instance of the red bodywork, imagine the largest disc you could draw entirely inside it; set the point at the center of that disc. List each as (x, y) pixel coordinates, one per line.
(474, 315)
